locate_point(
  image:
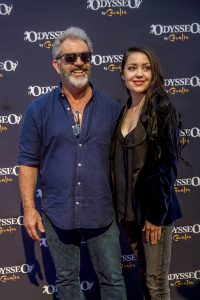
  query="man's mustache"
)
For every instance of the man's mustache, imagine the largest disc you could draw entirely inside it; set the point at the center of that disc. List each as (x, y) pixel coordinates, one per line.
(79, 69)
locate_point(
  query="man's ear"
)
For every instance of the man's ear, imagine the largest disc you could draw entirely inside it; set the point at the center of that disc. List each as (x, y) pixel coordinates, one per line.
(56, 66)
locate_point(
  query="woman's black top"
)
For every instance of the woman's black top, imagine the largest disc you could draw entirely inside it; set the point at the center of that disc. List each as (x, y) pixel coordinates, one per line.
(143, 185)
(129, 157)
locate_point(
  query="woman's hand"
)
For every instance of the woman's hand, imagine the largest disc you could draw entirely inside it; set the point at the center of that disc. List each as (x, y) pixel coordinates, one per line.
(153, 232)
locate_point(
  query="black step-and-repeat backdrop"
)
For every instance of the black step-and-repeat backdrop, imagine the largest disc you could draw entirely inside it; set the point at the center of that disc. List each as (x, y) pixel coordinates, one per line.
(27, 30)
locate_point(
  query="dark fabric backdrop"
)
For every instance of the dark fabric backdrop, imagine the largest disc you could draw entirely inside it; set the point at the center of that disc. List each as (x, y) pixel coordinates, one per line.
(27, 29)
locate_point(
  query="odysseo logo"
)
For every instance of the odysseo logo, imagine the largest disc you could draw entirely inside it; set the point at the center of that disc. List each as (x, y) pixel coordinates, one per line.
(111, 62)
(25, 268)
(39, 90)
(10, 225)
(38, 193)
(43, 242)
(128, 257)
(183, 185)
(128, 261)
(6, 174)
(181, 85)
(8, 120)
(51, 289)
(184, 279)
(12, 221)
(5, 9)
(8, 66)
(184, 233)
(191, 132)
(112, 8)
(11, 119)
(44, 37)
(9, 171)
(11, 273)
(173, 33)
(86, 285)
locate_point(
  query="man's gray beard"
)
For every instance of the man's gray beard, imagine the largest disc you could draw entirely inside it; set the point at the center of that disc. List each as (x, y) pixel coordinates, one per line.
(76, 82)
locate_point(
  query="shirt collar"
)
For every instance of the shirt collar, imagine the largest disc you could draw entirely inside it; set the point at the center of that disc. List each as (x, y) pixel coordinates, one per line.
(62, 95)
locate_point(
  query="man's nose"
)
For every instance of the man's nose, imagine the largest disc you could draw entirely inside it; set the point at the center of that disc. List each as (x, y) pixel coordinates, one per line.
(79, 61)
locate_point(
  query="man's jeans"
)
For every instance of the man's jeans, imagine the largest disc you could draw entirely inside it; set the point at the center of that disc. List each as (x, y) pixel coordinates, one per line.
(154, 260)
(104, 249)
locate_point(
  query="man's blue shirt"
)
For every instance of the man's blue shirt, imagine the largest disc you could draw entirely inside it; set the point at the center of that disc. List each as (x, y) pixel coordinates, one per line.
(74, 171)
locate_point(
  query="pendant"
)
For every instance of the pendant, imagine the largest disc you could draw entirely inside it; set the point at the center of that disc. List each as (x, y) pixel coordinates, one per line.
(76, 129)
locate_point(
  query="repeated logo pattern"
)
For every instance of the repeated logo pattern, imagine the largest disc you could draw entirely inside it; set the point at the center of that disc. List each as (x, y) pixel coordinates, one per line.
(26, 73)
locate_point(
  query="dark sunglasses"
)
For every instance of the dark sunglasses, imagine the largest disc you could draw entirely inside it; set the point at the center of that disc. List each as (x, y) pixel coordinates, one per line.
(70, 58)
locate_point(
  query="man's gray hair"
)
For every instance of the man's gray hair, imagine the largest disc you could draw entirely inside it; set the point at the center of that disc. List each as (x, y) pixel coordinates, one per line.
(71, 33)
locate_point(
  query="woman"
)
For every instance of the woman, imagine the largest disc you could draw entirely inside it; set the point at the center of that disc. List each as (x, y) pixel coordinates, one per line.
(146, 150)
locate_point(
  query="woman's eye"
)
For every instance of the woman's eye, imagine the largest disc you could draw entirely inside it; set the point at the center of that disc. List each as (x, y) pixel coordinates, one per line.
(131, 68)
(147, 68)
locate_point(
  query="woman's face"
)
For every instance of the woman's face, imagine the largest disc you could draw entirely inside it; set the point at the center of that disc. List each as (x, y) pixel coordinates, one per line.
(137, 73)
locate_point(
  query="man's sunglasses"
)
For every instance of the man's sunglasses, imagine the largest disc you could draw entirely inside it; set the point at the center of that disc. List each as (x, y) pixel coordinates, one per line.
(70, 58)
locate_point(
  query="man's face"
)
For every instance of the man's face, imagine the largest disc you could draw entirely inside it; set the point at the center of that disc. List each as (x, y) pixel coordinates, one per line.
(74, 73)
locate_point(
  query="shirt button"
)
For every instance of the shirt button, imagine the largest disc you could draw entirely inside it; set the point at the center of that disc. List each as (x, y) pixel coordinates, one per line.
(79, 164)
(77, 203)
(80, 145)
(68, 108)
(79, 183)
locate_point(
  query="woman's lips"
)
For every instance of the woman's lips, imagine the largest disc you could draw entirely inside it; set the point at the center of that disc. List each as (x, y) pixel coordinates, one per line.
(139, 82)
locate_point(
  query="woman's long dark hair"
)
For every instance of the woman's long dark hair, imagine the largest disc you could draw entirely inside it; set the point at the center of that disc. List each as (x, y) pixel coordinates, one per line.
(158, 113)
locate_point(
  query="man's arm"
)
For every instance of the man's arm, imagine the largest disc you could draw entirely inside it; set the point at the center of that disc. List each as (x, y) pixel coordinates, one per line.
(27, 185)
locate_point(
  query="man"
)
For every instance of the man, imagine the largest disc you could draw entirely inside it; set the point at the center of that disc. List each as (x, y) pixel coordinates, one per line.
(66, 140)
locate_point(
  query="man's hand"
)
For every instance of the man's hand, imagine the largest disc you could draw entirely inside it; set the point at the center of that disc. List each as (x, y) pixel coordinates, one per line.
(33, 223)
(153, 232)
